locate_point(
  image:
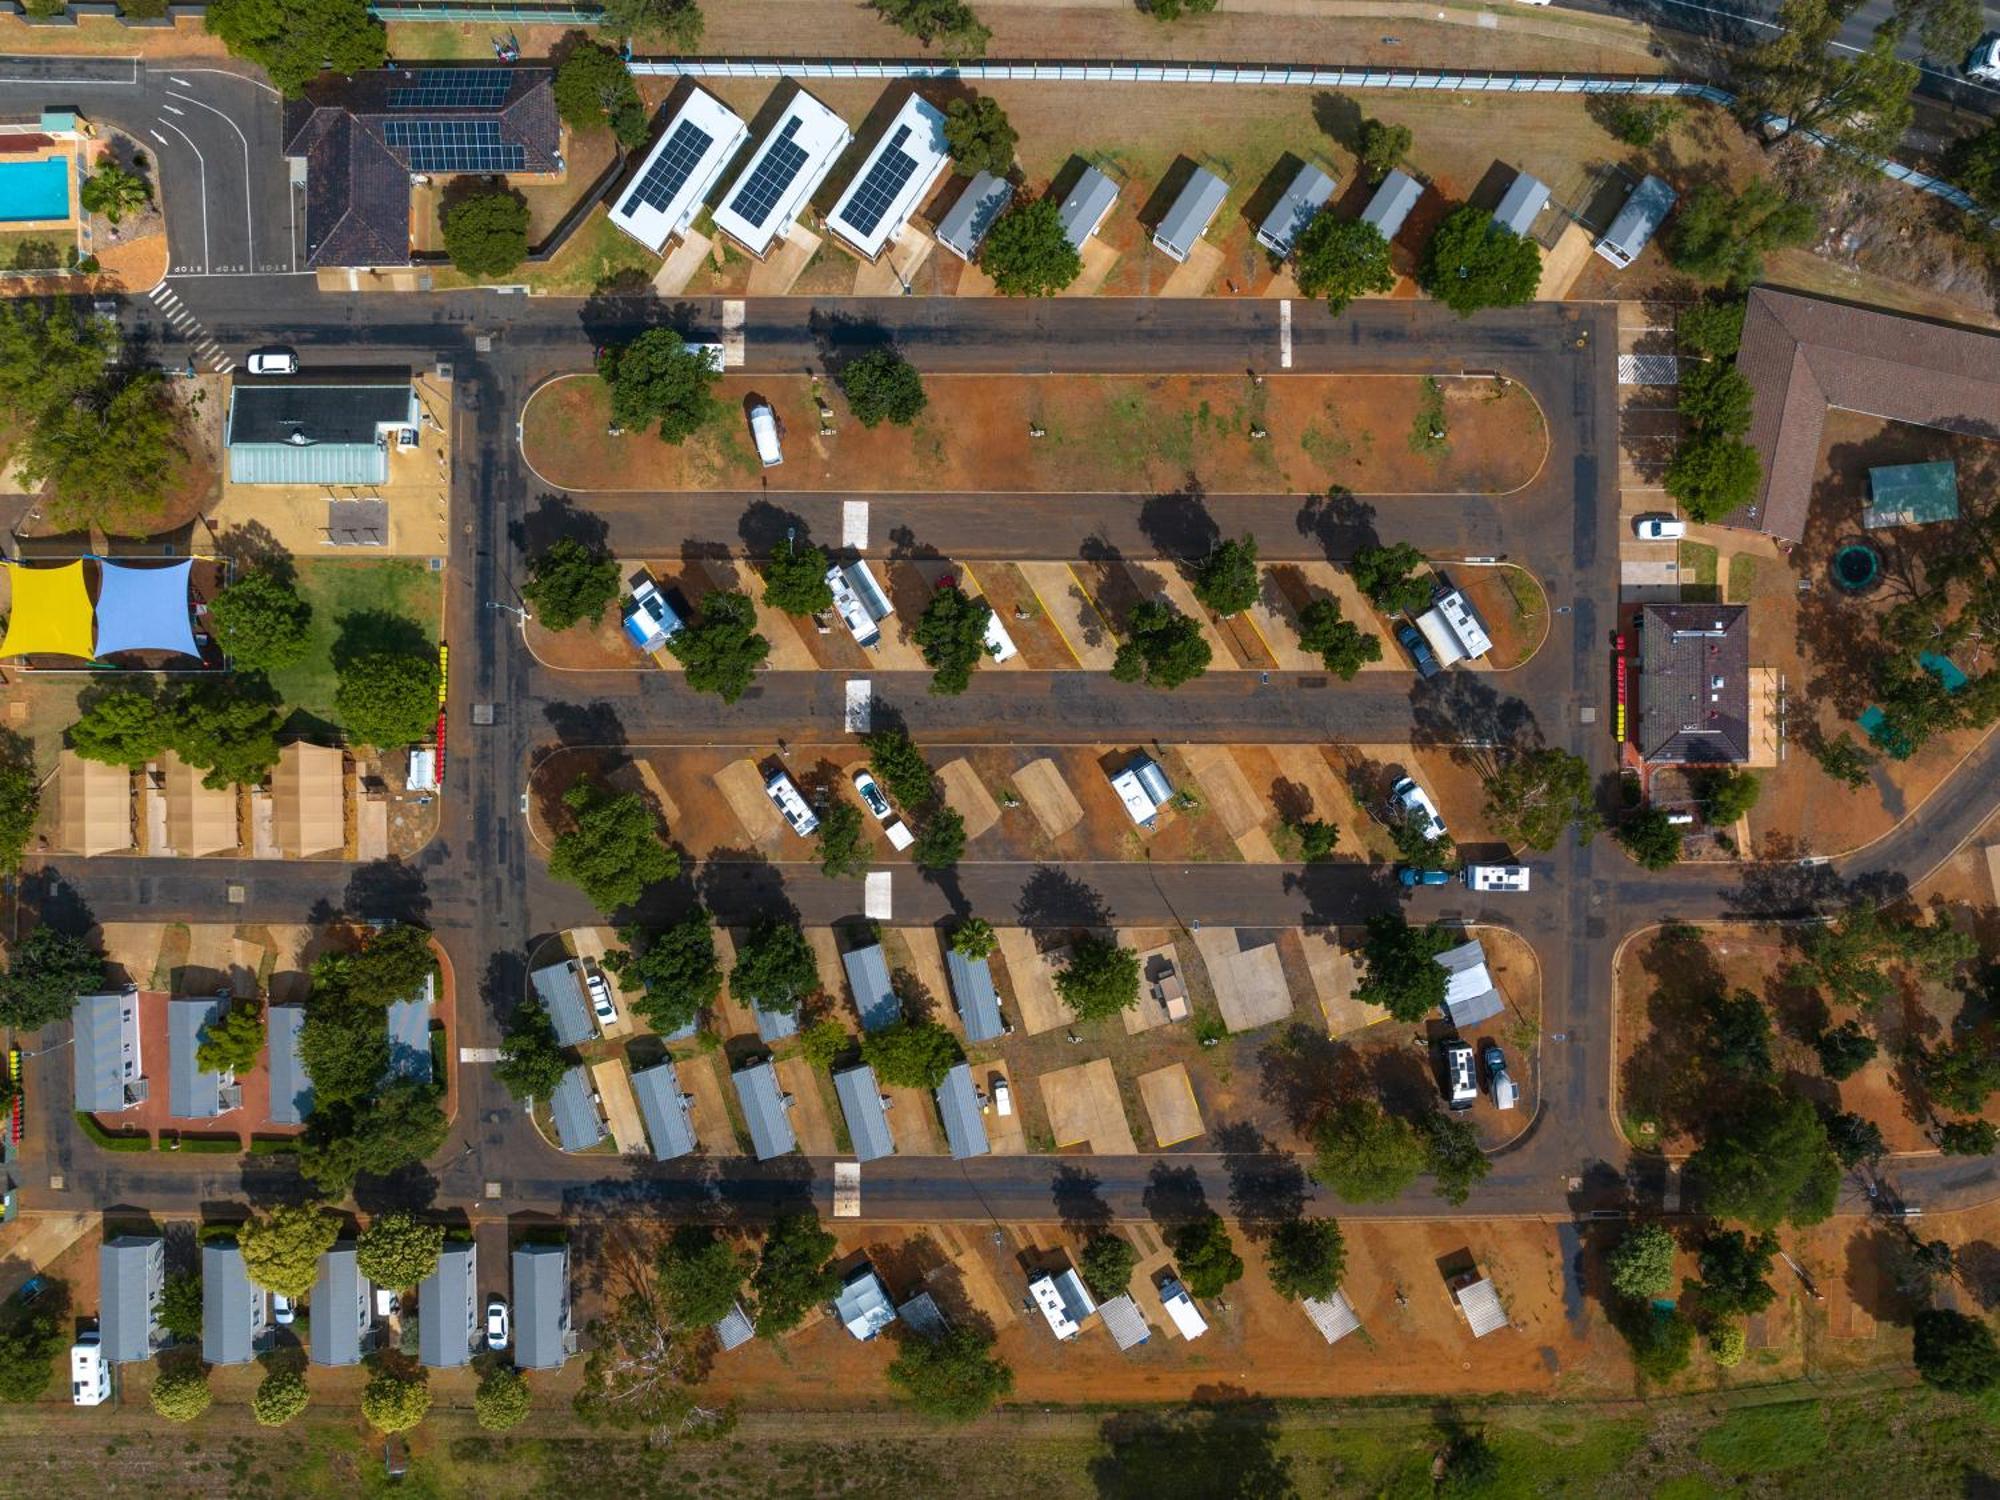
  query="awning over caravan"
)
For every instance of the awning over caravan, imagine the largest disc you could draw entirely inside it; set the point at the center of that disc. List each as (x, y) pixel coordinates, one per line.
(50, 614)
(144, 609)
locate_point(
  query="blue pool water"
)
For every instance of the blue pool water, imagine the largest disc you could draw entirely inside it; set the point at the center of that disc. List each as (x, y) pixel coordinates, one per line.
(34, 189)
(1945, 670)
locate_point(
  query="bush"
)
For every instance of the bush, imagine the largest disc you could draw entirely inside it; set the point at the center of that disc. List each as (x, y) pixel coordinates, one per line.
(502, 1400)
(388, 698)
(1107, 1263)
(1955, 1352)
(569, 582)
(1100, 980)
(1636, 123)
(396, 1403)
(281, 1397)
(1027, 253)
(181, 1394)
(882, 386)
(1381, 148)
(952, 1376)
(486, 232)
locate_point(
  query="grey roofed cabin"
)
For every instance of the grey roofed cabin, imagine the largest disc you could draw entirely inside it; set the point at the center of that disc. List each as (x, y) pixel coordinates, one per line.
(332, 431)
(1521, 204)
(764, 1110)
(1308, 194)
(131, 1282)
(448, 1308)
(193, 1093)
(543, 1335)
(1694, 696)
(1642, 214)
(577, 1122)
(867, 1122)
(561, 989)
(105, 1059)
(664, 1109)
(734, 1329)
(961, 230)
(409, 1023)
(291, 1089)
(1469, 995)
(774, 1025)
(235, 1315)
(1088, 202)
(343, 1314)
(868, 978)
(958, 1107)
(978, 1001)
(1391, 205)
(1192, 213)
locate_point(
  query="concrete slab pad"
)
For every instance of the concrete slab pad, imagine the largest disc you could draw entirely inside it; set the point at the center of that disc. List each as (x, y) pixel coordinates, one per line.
(656, 788)
(702, 1082)
(971, 1250)
(913, 1122)
(1225, 788)
(1993, 869)
(1098, 259)
(1170, 1102)
(1334, 975)
(1032, 978)
(1306, 768)
(1249, 984)
(789, 651)
(1084, 1109)
(1155, 947)
(1163, 581)
(742, 786)
(1278, 624)
(1070, 610)
(826, 952)
(1006, 1135)
(895, 266)
(371, 827)
(1328, 579)
(784, 263)
(621, 1108)
(1048, 796)
(679, 267)
(810, 1120)
(922, 956)
(973, 282)
(1562, 265)
(1192, 276)
(590, 943)
(966, 795)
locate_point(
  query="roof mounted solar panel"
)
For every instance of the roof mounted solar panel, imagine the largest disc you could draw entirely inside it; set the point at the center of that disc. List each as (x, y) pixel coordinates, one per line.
(451, 88)
(879, 188)
(782, 160)
(670, 170)
(454, 146)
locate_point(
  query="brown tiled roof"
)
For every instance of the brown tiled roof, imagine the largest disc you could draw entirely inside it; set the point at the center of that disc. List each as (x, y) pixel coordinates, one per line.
(1684, 717)
(1803, 354)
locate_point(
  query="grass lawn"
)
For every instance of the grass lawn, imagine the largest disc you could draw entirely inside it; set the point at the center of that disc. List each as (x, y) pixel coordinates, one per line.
(1765, 1439)
(597, 256)
(1698, 564)
(357, 606)
(1742, 578)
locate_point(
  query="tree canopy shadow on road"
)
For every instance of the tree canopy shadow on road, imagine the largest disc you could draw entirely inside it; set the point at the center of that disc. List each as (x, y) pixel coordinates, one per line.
(1267, 1185)
(841, 336)
(1222, 1446)
(1079, 1200)
(763, 526)
(1772, 890)
(411, 1189)
(1174, 1196)
(1463, 713)
(1053, 902)
(585, 724)
(55, 901)
(1341, 893)
(1303, 1071)
(556, 518)
(1178, 524)
(742, 886)
(387, 890)
(1340, 523)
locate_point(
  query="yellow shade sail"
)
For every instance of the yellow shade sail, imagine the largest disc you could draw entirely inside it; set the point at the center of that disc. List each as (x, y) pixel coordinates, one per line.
(51, 614)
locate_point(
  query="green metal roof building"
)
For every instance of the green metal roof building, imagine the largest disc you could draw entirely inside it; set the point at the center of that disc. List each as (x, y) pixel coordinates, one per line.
(1911, 495)
(318, 434)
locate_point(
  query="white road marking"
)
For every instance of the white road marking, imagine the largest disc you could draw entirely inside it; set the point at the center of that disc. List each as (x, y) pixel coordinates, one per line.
(860, 716)
(877, 896)
(733, 312)
(854, 524)
(173, 78)
(1285, 333)
(479, 1054)
(201, 162)
(249, 218)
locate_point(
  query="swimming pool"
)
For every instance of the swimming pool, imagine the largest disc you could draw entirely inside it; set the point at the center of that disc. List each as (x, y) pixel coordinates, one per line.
(34, 189)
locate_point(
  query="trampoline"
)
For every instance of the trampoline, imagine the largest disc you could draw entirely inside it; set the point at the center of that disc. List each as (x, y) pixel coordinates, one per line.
(1857, 567)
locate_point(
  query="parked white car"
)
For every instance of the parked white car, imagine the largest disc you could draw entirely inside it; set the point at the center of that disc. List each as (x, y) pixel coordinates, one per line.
(273, 362)
(1985, 60)
(284, 1311)
(1660, 528)
(496, 1322)
(871, 796)
(1416, 805)
(600, 1000)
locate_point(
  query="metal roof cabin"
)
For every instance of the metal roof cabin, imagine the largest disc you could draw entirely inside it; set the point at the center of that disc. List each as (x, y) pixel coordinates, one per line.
(235, 1315)
(560, 987)
(1391, 205)
(291, 1089)
(1642, 214)
(964, 226)
(874, 997)
(1333, 1316)
(1480, 1303)
(958, 1107)
(1083, 211)
(897, 175)
(106, 1064)
(664, 195)
(867, 1121)
(409, 1023)
(544, 1337)
(343, 1308)
(734, 1329)
(774, 1025)
(1521, 204)
(664, 1109)
(1469, 996)
(317, 432)
(131, 1283)
(194, 1093)
(863, 1305)
(978, 1001)
(1128, 1325)
(765, 1110)
(786, 170)
(1193, 211)
(1308, 194)
(448, 1308)
(578, 1124)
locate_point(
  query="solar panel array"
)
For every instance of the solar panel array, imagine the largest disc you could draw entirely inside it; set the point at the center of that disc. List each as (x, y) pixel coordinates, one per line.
(454, 146)
(452, 88)
(781, 163)
(890, 174)
(670, 169)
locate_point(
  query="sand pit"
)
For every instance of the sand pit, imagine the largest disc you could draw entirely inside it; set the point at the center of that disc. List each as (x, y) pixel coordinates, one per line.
(1171, 1105)
(742, 786)
(1048, 797)
(1084, 1109)
(966, 795)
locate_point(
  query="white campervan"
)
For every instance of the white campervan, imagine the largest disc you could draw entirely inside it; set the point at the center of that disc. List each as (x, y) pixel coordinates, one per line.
(764, 433)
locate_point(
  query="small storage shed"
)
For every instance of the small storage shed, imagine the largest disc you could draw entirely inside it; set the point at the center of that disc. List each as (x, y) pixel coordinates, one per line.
(1189, 218)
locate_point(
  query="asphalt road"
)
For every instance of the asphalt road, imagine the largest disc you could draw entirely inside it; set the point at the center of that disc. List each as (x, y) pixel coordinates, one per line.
(483, 886)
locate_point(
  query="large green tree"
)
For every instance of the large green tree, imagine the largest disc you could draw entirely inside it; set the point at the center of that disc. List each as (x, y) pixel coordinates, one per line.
(882, 386)
(794, 1273)
(912, 1054)
(114, 191)
(486, 229)
(229, 730)
(110, 454)
(1797, 80)
(1852, 958)
(231, 1043)
(502, 1399)
(721, 650)
(612, 850)
(1536, 794)
(388, 698)
(1306, 1258)
(1735, 1273)
(1452, 1155)
(1107, 1262)
(398, 1249)
(979, 135)
(1163, 647)
(1340, 259)
(343, 1047)
(1720, 236)
(842, 844)
(676, 965)
(1471, 263)
(1767, 1161)
(261, 622)
(1956, 1352)
(122, 728)
(1404, 976)
(1205, 1255)
(282, 1246)
(775, 967)
(1642, 1263)
(20, 804)
(294, 40)
(1712, 475)
(29, 1342)
(1365, 1154)
(1227, 580)
(657, 378)
(668, 25)
(180, 1392)
(532, 1062)
(640, 1369)
(46, 971)
(951, 634)
(700, 1276)
(795, 579)
(1342, 645)
(1395, 579)
(395, 1402)
(901, 767)
(1027, 253)
(1380, 148)
(594, 88)
(569, 583)
(1100, 978)
(281, 1396)
(952, 1376)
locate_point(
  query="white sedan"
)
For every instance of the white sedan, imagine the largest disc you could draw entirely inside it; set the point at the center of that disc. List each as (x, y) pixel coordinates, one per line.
(274, 362)
(1985, 60)
(1660, 528)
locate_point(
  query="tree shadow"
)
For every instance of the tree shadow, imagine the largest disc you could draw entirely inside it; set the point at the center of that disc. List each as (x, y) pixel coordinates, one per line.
(1340, 117)
(1174, 1196)
(1666, 1080)
(1079, 1200)
(583, 725)
(1267, 1185)
(1223, 1446)
(764, 525)
(387, 890)
(1303, 1071)
(1052, 899)
(378, 632)
(251, 545)
(1179, 524)
(557, 518)
(1340, 523)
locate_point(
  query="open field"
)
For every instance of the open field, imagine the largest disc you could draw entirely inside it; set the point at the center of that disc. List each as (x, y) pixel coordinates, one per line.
(1102, 433)
(357, 606)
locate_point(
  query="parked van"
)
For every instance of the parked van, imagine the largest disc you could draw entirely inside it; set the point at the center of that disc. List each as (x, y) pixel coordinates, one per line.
(782, 790)
(1496, 877)
(1505, 1095)
(764, 433)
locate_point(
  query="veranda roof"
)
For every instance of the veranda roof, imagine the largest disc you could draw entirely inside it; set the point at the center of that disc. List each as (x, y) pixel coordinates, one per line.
(50, 614)
(144, 609)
